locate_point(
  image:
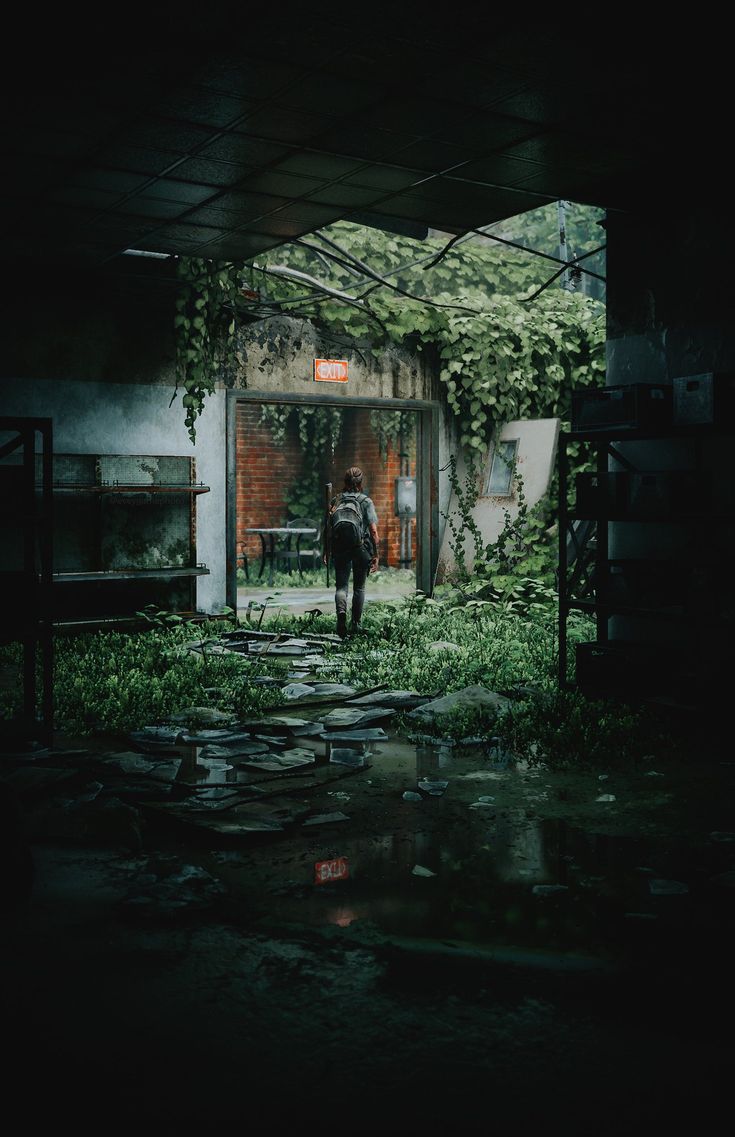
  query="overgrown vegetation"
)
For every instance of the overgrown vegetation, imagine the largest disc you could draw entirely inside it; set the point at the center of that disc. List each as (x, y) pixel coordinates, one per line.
(111, 681)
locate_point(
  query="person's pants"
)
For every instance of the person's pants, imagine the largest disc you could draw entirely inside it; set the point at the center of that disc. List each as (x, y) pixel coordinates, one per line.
(359, 562)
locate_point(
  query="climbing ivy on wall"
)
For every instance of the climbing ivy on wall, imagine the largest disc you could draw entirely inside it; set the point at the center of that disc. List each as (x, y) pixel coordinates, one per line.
(319, 429)
(390, 427)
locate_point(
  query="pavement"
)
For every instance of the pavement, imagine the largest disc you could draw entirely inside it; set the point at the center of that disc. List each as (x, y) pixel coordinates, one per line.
(296, 601)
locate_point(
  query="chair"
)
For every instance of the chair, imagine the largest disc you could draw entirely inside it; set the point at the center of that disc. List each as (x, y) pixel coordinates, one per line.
(309, 548)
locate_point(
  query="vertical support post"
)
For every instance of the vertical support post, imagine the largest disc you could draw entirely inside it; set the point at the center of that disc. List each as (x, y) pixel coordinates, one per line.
(327, 503)
(231, 502)
(563, 526)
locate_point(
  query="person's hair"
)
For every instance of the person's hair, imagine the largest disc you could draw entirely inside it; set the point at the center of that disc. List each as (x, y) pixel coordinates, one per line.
(353, 479)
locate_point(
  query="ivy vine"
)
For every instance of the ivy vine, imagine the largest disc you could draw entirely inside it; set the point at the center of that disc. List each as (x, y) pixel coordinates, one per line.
(204, 325)
(501, 357)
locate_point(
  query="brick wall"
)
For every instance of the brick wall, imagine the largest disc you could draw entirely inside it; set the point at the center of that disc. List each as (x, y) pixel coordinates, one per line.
(266, 469)
(359, 447)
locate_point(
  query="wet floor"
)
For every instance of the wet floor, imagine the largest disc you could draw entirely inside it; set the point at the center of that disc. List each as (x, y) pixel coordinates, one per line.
(505, 943)
(445, 843)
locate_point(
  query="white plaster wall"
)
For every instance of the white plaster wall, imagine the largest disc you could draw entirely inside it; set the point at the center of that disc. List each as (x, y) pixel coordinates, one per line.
(133, 418)
(535, 464)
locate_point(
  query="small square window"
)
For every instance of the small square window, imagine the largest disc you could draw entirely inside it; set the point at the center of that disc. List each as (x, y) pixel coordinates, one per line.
(500, 479)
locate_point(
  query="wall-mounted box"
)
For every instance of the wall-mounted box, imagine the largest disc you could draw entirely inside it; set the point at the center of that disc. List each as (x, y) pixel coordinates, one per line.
(633, 406)
(703, 399)
(405, 497)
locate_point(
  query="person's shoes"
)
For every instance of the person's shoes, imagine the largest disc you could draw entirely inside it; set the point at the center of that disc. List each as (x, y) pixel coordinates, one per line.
(341, 624)
(356, 629)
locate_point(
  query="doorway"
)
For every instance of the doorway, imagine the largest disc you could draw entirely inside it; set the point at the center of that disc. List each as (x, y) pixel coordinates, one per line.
(282, 450)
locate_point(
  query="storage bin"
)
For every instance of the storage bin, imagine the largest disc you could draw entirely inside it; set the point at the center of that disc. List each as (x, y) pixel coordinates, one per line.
(704, 399)
(632, 406)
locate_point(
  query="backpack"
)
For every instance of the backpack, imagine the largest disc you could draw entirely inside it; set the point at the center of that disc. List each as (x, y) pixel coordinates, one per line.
(347, 523)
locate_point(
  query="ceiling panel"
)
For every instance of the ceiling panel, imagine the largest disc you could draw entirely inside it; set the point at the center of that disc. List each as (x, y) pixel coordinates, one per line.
(236, 130)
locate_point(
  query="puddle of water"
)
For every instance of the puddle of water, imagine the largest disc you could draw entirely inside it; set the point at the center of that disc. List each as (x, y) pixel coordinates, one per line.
(501, 877)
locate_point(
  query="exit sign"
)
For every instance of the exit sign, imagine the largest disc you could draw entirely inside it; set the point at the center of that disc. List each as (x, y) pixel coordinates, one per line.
(330, 370)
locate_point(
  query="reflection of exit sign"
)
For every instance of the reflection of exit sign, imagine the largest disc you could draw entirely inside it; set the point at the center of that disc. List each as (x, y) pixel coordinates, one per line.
(325, 871)
(330, 370)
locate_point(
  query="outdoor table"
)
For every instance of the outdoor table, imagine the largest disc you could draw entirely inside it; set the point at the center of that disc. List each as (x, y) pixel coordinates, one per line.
(268, 548)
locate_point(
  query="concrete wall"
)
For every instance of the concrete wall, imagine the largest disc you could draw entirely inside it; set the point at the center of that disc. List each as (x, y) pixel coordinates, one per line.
(537, 440)
(95, 353)
(277, 356)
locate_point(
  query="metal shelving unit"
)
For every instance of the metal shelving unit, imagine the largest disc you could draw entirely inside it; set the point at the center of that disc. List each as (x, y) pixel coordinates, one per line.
(593, 591)
(26, 559)
(126, 534)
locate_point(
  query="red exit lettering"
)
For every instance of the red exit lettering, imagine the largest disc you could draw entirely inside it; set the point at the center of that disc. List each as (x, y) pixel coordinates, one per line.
(330, 370)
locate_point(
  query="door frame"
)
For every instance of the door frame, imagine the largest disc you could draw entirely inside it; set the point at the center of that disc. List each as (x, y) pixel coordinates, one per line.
(427, 473)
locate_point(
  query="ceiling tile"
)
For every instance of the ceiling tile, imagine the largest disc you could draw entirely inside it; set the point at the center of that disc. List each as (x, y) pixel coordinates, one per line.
(253, 77)
(211, 172)
(308, 162)
(244, 150)
(207, 107)
(361, 142)
(285, 124)
(135, 158)
(340, 194)
(385, 177)
(187, 192)
(275, 181)
(166, 134)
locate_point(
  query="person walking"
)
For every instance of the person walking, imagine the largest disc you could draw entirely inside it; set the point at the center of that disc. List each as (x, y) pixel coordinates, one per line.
(351, 539)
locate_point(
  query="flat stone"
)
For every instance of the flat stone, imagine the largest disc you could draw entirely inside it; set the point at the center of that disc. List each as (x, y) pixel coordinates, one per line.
(165, 734)
(326, 818)
(659, 887)
(287, 760)
(344, 717)
(469, 698)
(228, 753)
(200, 714)
(410, 795)
(221, 736)
(296, 690)
(419, 870)
(278, 724)
(392, 699)
(444, 645)
(368, 734)
(334, 689)
(548, 889)
(436, 789)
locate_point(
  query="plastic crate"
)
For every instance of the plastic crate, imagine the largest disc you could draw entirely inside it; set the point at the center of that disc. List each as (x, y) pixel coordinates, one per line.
(706, 399)
(632, 406)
